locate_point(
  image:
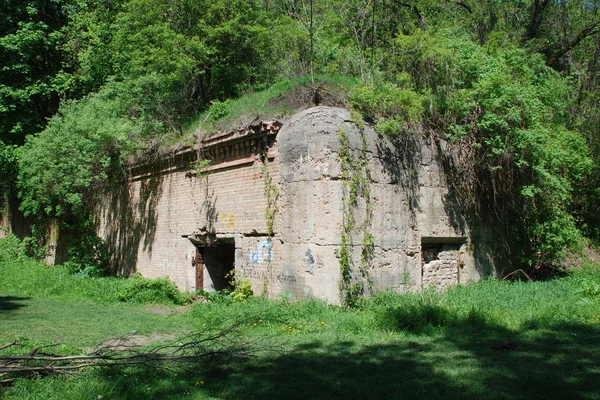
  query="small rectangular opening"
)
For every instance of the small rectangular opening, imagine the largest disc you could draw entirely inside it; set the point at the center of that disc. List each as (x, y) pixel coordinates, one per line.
(440, 261)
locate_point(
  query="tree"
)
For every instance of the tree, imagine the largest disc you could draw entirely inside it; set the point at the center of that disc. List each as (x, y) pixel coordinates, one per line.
(32, 76)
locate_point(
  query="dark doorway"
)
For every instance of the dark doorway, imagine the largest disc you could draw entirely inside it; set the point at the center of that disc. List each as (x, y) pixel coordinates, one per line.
(214, 265)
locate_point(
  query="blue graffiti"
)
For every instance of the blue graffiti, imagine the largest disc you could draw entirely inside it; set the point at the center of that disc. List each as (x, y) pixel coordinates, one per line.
(263, 254)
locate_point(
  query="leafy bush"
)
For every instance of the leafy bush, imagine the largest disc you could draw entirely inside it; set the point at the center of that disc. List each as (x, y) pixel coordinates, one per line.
(8, 169)
(9, 248)
(159, 290)
(62, 168)
(89, 254)
(391, 106)
(219, 109)
(587, 282)
(241, 289)
(508, 111)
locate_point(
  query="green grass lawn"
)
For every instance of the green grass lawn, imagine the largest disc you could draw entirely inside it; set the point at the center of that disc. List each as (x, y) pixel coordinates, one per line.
(492, 339)
(81, 323)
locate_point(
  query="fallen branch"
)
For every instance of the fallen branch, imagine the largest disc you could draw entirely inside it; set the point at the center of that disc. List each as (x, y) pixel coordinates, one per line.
(514, 272)
(183, 354)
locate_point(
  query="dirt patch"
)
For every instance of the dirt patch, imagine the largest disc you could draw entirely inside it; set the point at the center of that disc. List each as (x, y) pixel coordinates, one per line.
(303, 97)
(589, 255)
(138, 340)
(163, 310)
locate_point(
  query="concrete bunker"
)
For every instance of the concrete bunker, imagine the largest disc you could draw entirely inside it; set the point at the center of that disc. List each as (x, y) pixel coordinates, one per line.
(270, 206)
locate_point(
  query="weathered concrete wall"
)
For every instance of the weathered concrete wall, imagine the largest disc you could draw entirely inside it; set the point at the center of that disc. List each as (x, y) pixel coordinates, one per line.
(409, 207)
(154, 223)
(5, 227)
(12, 219)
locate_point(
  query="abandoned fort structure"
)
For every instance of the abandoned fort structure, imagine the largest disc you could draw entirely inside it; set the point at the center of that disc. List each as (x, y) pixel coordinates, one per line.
(317, 205)
(308, 207)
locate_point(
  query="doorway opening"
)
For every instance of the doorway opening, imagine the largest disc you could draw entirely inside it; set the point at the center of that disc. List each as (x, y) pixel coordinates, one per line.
(214, 266)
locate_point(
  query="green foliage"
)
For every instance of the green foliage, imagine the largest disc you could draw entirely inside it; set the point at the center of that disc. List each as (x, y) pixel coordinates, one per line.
(28, 277)
(62, 168)
(265, 102)
(198, 166)
(9, 248)
(219, 109)
(356, 185)
(524, 305)
(150, 291)
(588, 282)
(514, 84)
(88, 254)
(272, 195)
(8, 170)
(158, 65)
(590, 288)
(389, 105)
(510, 109)
(31, 77)
(240, 290)
(478, 329)
(35, 245)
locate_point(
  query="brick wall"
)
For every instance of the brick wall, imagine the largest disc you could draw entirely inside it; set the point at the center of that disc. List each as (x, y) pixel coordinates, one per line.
(146, 222)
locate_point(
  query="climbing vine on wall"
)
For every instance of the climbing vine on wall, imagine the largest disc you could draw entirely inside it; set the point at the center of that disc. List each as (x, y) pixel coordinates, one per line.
(272, 194)
(356, 178)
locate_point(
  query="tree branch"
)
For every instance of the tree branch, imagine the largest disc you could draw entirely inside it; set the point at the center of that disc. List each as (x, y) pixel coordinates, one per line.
(536, 19)
(588, 30)
(462, 4)
(186, 352)
(415, 9)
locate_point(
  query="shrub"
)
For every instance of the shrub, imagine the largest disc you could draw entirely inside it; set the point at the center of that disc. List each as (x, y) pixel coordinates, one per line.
(9, 248)
(388, 101)
(159, 290)
(219, 109)
(240, 289)
(88, 253)
(62, 168)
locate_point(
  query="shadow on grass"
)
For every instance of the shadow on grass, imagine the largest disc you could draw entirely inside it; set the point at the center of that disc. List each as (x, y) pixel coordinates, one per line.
(11, 303)
(465, 359)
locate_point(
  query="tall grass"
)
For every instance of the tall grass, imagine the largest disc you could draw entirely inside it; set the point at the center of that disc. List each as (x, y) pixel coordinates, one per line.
(259, 104)
(24, 276)
(514, 306)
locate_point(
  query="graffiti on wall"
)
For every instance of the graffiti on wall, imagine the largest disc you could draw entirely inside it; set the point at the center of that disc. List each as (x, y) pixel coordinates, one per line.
(228, 220)
(259, 274)
(263, 253)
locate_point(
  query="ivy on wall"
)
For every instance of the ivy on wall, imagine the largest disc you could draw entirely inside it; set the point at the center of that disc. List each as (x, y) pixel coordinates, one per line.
(272, 195)
(356, 178)
(271, 209)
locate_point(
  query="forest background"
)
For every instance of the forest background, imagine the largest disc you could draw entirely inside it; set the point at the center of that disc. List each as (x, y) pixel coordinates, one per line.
(512, 85)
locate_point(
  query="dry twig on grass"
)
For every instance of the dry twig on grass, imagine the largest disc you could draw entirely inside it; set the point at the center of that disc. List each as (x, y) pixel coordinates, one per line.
(180, 355)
